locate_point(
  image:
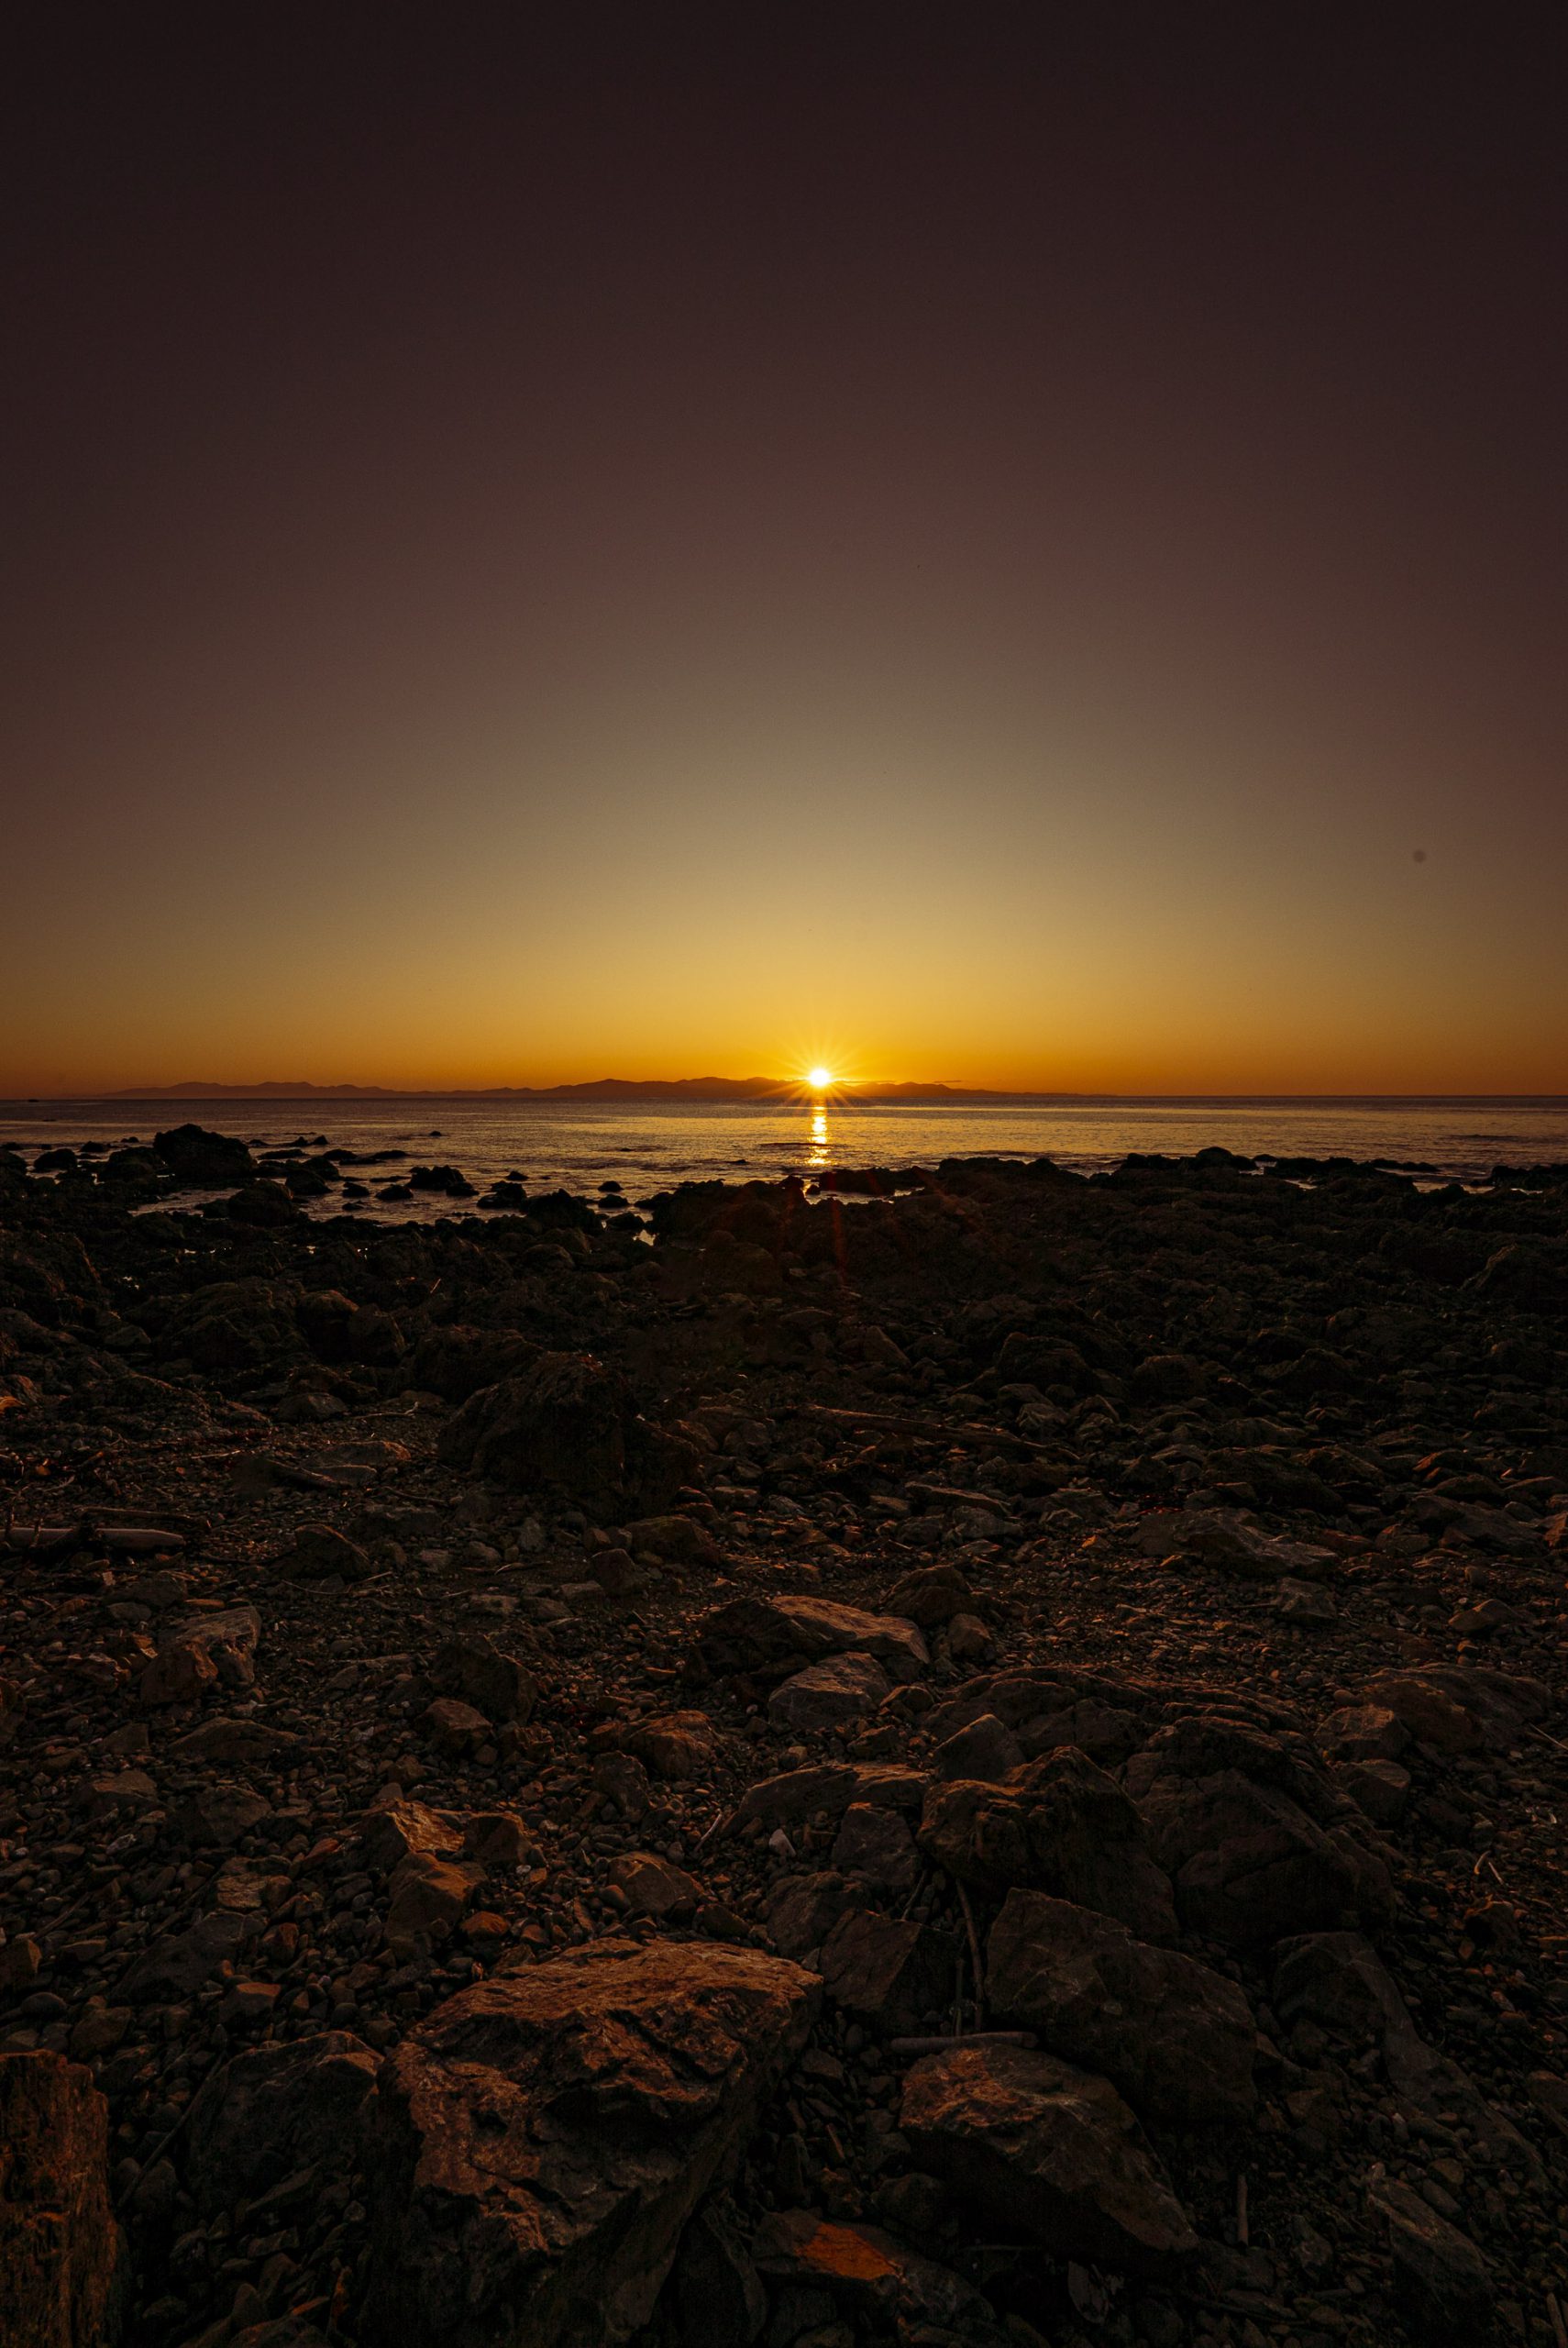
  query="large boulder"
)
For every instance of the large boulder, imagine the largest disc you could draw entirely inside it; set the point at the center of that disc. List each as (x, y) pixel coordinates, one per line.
(275, 2109)
(566, 1423)
(1060, 1825)
(457, 1362)
(1461, 1708)
(232, 1326)
(1176, 2038)
(203, 1161)
(1253, 1833)
(62, 2254)
(775, 1636)
(541, 2140)
(1053, 2151)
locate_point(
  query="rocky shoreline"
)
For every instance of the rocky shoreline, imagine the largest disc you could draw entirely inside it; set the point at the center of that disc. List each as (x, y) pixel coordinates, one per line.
(978, 1766)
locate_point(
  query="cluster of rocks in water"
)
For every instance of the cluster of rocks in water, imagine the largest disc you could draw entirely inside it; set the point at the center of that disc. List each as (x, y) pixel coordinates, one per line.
(983, 1765)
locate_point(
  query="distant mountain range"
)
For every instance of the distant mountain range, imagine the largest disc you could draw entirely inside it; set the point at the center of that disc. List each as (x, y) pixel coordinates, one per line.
(602, 1088)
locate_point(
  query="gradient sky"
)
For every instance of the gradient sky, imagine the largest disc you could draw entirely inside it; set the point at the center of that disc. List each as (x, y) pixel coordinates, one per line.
(1019, 547)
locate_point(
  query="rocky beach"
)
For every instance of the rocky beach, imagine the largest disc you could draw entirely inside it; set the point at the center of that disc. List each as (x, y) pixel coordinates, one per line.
(976, 1757)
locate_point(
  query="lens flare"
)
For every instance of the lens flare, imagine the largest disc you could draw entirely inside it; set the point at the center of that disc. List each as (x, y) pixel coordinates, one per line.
(819, 1079)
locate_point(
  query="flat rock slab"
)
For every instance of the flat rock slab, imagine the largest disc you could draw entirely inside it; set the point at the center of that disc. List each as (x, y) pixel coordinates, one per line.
(541, 2140)
(775, 1634)
(1038, 2144)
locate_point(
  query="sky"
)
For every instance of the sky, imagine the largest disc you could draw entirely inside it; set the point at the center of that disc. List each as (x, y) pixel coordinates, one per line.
(1022, 547)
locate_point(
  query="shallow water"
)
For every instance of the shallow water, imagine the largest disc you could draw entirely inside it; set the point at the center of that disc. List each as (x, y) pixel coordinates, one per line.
(650, 1146)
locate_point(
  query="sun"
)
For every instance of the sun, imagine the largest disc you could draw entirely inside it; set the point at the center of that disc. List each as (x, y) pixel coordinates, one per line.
(820, 1078)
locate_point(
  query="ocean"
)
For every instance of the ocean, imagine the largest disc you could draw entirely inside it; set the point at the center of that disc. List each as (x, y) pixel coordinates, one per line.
(650, 1146)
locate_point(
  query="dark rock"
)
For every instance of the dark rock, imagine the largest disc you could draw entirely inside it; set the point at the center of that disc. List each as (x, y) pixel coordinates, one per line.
(202, 1160)
(542, 2139)
(1060, 1825)
(776, 1636)
(1176, 2038)
(1444, 2288)
(719, 2298)
(842, 1687)
(177, 1965)
(473, 1668)
(275, 2109)
(318, 1552)
(1053, 2151)
(567, 1424)
(62, 2272)
(890, 1974)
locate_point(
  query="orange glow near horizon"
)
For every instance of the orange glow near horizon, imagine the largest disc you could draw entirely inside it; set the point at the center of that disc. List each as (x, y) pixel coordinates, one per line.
(910, 564)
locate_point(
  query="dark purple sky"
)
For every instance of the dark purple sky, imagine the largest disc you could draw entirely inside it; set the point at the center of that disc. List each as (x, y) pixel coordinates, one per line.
(981, 553)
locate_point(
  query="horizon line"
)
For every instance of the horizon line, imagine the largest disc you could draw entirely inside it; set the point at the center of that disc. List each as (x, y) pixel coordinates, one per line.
(761, 1088)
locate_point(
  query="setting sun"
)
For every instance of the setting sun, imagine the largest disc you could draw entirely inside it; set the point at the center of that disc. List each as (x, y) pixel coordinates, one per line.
(819, 1079)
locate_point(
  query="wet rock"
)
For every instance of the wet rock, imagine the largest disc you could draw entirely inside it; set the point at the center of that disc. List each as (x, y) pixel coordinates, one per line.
(776, 1636)
(63, 2269)
(1060, 1825)
(273, 2111)
(893, 1975)
(203, 1161)
(1174, 2037)
(542, 2139)
(1037, 2145)
(843, 1687)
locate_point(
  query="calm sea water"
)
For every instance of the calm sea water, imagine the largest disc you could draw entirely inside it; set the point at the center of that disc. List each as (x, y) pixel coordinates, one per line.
(648, 1146)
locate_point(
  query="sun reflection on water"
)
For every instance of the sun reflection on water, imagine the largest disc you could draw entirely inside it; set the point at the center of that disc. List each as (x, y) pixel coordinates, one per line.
(820, 1154)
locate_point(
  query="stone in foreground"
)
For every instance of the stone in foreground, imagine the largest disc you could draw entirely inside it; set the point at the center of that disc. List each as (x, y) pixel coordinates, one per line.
(61, 2251)
(1173, 2036)
(1051, 2149)
(542, 2139)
